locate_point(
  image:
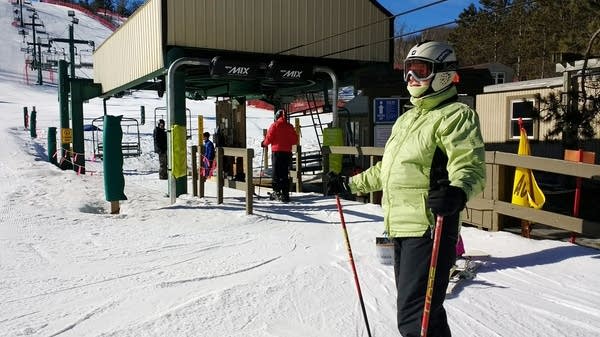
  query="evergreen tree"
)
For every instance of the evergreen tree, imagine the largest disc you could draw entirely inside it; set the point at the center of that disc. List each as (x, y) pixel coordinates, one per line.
(121, 8)
(134, 5)
(525, 34)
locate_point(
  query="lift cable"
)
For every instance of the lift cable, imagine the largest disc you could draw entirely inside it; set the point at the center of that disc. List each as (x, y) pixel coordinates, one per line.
(419, 31)
(361, 27)
(389, 38)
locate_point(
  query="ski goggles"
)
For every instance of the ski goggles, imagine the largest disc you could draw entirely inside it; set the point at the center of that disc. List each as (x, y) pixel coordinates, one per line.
(420, 70)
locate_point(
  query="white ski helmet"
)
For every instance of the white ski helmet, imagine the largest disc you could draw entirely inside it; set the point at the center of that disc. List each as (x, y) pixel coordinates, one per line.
(432, 59)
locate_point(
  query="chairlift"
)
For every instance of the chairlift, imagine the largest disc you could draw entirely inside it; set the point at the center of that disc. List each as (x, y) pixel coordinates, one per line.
(163, 116)
(84, 59)
(130, 144)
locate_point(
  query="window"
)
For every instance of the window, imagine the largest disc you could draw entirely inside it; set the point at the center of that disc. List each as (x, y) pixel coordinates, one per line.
(524, 109)
(498, 76)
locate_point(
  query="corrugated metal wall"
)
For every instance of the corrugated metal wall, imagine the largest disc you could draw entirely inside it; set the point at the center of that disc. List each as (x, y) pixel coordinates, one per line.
(494, 113)
(133, 51)
(271, 26)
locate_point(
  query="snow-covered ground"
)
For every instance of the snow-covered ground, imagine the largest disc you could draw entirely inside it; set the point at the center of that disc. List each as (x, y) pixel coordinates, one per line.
(197, 268)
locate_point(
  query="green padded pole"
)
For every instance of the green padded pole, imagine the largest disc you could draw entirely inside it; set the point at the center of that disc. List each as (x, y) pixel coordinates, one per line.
(77, 88)
(52, 155)
(179, 143)
(112, 161)
(63, 107)
(33, 123)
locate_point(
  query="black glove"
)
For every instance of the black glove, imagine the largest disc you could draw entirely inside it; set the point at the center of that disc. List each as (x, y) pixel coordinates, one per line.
(445, 199)
(336, 184)
(262, 144)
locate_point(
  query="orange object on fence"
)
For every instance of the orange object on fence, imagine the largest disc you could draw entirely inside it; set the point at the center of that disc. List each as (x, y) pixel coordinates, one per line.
(579, 156)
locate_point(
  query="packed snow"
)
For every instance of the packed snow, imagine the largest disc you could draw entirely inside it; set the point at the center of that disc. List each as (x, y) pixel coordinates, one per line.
(198, 268)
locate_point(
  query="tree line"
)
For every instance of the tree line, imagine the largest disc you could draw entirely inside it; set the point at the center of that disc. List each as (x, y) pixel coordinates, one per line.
(122, 7)
(528, 36)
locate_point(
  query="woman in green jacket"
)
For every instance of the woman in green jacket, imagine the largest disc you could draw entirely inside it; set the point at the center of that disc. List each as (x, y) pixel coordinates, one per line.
(438, 140)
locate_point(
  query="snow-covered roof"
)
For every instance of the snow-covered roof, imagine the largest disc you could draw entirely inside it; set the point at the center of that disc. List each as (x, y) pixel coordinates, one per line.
(525, 85)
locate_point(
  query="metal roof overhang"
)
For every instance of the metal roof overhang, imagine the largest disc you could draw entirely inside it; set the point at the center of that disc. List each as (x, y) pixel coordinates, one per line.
(345, 39)
(199, 82)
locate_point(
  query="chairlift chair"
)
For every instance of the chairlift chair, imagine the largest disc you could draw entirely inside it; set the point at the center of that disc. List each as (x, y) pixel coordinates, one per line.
(163, 116)
(130, 144)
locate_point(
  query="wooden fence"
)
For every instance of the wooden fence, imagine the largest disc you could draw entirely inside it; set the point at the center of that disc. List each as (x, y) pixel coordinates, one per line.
(247, 185)
(492, 208)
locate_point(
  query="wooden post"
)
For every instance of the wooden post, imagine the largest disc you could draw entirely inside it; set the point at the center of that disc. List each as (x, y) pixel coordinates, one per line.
(249, 181)
(25, 118)
(114, 207)
(498, 181)
(298, 168)
(526, 229)
(325, 164)
(220, 180)
(194, 171)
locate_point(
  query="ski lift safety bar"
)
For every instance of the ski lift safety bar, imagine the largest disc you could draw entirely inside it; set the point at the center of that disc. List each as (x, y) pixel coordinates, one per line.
(221, 67)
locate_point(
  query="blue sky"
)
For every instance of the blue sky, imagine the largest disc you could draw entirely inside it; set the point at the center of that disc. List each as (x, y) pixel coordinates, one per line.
(430, 16)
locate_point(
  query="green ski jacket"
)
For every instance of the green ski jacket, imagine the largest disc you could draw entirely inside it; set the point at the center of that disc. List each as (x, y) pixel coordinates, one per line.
(436, 129)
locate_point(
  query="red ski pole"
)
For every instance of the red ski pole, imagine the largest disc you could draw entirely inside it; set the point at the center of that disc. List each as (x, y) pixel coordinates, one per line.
(434, 257)
(360, 297)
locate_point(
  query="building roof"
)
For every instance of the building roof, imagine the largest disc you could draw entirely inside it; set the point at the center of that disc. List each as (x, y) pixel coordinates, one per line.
(525, 85)
(323, 33)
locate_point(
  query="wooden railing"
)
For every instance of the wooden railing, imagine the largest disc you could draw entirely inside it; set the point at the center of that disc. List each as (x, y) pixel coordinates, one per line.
(491, 209)
(247, 156)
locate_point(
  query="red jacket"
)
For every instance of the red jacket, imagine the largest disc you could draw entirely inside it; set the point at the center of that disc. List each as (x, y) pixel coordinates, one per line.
(281, 136)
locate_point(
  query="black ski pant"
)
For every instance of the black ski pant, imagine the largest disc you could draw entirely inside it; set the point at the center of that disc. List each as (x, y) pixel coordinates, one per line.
(281, 172)
(162, 165)
(411, 269)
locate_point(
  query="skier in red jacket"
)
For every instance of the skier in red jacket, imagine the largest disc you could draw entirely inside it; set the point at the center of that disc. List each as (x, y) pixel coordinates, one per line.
(281, 136)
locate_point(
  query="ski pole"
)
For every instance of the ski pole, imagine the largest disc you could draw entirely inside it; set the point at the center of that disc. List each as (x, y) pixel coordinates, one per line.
(262, 169)
(360, 297)
(434, 256)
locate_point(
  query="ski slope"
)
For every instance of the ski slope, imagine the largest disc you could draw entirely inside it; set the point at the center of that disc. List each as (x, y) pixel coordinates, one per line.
(198, 268)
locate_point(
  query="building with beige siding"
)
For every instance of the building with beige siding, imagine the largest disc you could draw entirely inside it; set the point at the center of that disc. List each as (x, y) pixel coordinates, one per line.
(500, 106)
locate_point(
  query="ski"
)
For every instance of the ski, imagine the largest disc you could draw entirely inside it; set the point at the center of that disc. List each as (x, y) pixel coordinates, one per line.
(465, 268)
(277, 197)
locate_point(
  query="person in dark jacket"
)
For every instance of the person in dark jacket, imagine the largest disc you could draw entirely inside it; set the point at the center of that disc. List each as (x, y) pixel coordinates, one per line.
(160, 147)
(281, 136)
(209, 155)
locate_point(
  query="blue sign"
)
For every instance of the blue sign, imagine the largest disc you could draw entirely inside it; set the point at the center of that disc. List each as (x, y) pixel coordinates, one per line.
(386, 110)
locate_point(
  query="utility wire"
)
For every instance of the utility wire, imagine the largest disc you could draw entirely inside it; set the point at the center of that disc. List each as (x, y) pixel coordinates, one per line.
(389, 38)
(361, 27)
(419, 31)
